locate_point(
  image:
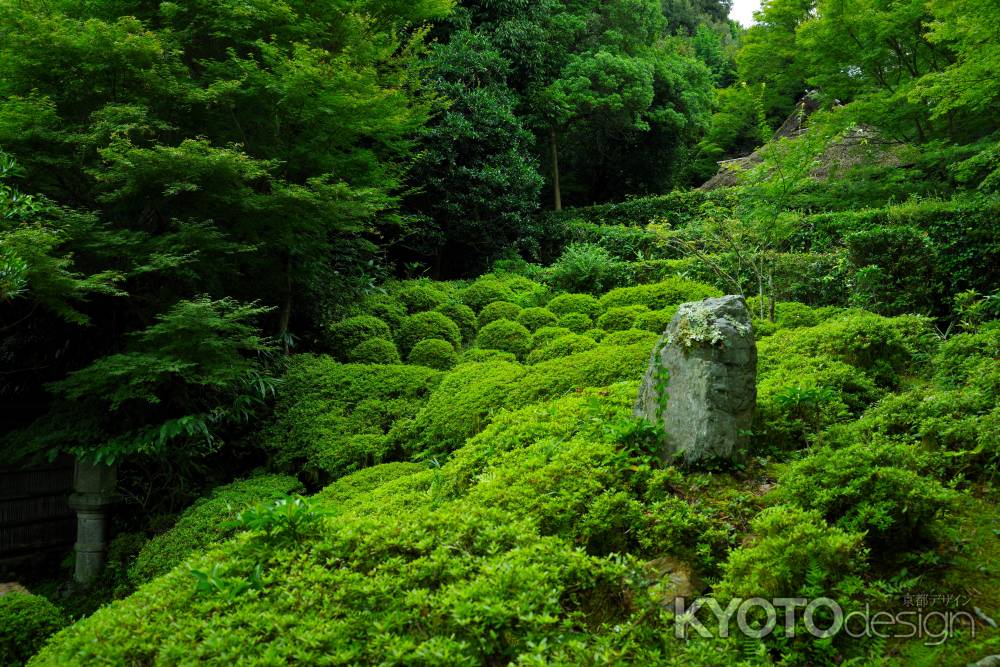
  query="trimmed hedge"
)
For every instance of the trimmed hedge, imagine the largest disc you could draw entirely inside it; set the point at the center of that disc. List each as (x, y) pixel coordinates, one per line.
(433, 353)
(375, 351)
(422, 326)
(506, 336)
(205, 523)
(26, 622)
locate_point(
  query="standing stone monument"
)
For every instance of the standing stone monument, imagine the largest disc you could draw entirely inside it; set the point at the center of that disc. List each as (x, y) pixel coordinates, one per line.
(94, 488)
(701, 382)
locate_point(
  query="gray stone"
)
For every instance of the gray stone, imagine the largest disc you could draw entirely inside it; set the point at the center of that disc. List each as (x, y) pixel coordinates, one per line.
(702, 380)
(93, 492)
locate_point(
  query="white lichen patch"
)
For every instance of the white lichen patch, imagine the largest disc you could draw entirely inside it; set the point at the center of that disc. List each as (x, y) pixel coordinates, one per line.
(697, 324)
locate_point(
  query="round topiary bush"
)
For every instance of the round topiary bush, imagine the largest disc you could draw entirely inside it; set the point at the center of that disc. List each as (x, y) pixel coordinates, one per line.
(479, 355)
(463, 316)
(433, 353)
(561, 347)
(535, 318)
(420, 298)
(484, 292)
(622, 318)
(26, 621)
(499, 310)
(575, 322)
(422, 326)
(630, 337)
(670, 292)
(573, 303)
(386, 308)
(655, 320)
(347, 334)
(546, 335)
(375, 351)
(507, 336)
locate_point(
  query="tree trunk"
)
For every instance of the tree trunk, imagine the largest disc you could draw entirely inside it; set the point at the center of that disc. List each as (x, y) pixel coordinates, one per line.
(286, 307)
(556, 193)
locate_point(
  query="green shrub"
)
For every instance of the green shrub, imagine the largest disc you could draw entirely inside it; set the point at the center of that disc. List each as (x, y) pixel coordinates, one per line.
(655, 320)
(792, 549)
(546, 335)
(324, 408)
(478, 355)
(631, 337)
(873, 487)
(596, 334)
(207, 522)
(506, 336)
(575, 322)
(535, 318)
(798, 396)
(573, 303)
(26, 621)
(621, 318)
(433, 353)
(462, 406)
(670, 292)
(347, 334)
(585, 267)
(386, 308)
(420, 298)
(485, 291)
(463, 316)
(527, 292)
(957, 412)
(599, 367)
(375, 351)
(561, 347)
(880, 346)
(422, 326)
(499, 310)
(348, 489)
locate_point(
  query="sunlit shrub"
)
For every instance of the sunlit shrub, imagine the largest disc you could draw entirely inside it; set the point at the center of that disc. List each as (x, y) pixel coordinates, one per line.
(876, 488)
(420, 297)
(26, 621)
(561, 347)
(621, 317)
(792, 549)
(347, 334)
(585, 267)
(323, 408)
(433, 353)
(575, 322)
(573, 303)
(670, 292)
(463, 316)
(506, 336)
(499, 310)
(546, 335)
(375, 351)
(535, 318)
(422, 326)
(485, 291)
(207, 522)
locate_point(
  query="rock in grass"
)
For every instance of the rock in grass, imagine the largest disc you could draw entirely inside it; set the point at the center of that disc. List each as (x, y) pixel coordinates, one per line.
(701, 380)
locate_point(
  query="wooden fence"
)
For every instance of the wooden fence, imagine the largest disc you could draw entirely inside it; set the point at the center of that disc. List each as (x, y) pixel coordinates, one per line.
(35, 518)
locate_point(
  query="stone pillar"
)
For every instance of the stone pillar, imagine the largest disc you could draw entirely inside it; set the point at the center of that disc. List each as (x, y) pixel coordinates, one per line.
(94, 488)
(701, 382)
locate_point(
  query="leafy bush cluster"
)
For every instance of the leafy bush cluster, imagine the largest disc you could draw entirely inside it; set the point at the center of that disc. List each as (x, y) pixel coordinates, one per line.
(26, 622)
(207, 522)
